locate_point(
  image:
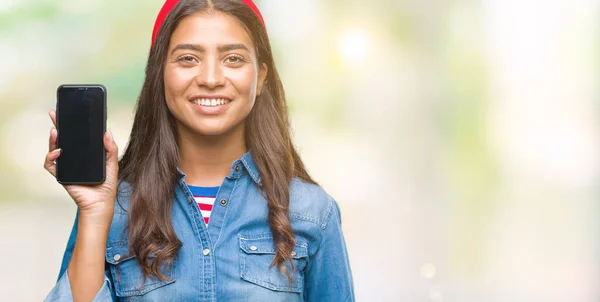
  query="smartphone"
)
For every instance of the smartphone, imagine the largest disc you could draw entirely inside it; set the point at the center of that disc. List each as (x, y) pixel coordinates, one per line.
(81, 123)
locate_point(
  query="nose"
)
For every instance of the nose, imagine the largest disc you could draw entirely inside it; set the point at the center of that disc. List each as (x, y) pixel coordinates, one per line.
(210, 74)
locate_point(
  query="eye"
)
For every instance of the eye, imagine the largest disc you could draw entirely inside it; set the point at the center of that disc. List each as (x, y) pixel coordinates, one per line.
(234, 59)
(187, 59)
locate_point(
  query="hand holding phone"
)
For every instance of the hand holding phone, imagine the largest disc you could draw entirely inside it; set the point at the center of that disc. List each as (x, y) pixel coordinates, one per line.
(94, 199)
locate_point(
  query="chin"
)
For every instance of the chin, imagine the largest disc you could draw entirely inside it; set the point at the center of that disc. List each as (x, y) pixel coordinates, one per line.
(213, 130)
(210, 132)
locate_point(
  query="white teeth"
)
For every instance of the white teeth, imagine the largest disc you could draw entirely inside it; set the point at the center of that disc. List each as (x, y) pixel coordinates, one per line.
(210, 102)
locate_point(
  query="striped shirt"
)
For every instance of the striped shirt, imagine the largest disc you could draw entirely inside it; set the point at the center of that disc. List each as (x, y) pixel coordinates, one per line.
(205, 197)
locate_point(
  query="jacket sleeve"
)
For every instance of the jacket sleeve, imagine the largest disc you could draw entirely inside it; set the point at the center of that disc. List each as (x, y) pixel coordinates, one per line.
(62, 290)
(328, 276)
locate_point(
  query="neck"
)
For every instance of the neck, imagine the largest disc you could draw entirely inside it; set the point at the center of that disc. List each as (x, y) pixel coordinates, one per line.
(206, 160)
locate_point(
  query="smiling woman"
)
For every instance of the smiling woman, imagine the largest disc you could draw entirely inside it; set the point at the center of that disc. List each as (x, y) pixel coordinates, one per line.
(210, 200)
(212, 62)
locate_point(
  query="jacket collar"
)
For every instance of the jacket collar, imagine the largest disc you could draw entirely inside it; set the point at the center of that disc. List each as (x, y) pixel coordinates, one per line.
(244, 164)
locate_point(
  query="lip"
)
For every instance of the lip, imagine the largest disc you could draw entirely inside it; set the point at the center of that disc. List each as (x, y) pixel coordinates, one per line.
(207, 96)
(206, 110)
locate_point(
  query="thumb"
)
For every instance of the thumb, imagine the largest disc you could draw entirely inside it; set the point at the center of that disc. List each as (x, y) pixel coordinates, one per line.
(112, 151)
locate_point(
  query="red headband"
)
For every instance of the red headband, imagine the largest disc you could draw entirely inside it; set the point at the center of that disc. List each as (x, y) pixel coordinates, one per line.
(169, 4)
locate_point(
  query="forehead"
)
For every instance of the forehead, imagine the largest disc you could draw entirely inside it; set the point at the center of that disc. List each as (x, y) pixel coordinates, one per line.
(210, 29)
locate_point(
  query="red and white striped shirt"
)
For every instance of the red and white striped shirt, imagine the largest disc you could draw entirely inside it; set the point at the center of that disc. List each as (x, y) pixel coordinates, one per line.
(205, 197)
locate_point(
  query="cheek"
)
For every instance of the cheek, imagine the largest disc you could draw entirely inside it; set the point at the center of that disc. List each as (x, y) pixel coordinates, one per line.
(176, 82)
(245, 83)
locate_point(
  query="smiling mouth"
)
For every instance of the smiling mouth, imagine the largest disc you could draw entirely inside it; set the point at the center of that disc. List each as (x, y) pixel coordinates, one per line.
(210, 102)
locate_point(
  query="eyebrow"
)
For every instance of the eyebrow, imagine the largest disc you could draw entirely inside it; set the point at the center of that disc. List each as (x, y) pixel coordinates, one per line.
(221, 48)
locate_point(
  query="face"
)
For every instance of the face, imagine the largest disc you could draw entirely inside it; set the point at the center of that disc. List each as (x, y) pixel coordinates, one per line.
(212, 75)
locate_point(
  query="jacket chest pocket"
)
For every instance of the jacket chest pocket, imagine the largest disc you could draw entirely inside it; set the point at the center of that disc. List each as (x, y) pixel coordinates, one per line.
(256, 255)
(128, 279)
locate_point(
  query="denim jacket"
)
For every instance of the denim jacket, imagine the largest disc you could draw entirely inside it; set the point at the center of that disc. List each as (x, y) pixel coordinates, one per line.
(230, 260)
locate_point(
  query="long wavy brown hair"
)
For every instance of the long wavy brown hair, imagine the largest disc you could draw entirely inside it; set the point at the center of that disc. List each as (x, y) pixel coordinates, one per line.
(151, 159)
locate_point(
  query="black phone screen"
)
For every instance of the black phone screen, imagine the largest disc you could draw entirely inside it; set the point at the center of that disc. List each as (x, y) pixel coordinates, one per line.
(81, 123)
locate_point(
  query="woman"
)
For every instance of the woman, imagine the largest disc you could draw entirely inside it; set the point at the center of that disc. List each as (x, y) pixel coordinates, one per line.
(210, 200)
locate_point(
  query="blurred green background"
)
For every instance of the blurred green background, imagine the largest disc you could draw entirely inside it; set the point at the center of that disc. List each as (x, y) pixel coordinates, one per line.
(460, 138)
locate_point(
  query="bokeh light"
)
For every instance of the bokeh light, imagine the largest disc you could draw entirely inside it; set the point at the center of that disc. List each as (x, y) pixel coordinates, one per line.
(353, 46)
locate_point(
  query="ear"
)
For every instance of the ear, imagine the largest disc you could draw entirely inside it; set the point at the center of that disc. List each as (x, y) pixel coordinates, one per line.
(262, 76)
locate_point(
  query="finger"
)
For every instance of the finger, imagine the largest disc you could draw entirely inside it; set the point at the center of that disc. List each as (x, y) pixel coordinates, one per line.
(52, 141)
(49, 163)
(52, 114)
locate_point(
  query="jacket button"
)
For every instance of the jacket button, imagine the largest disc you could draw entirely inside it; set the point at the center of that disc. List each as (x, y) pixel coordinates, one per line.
(253, 248)
(293, 253)
(237, 168)
(117, 257)
(205, 252)
(223, 202)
